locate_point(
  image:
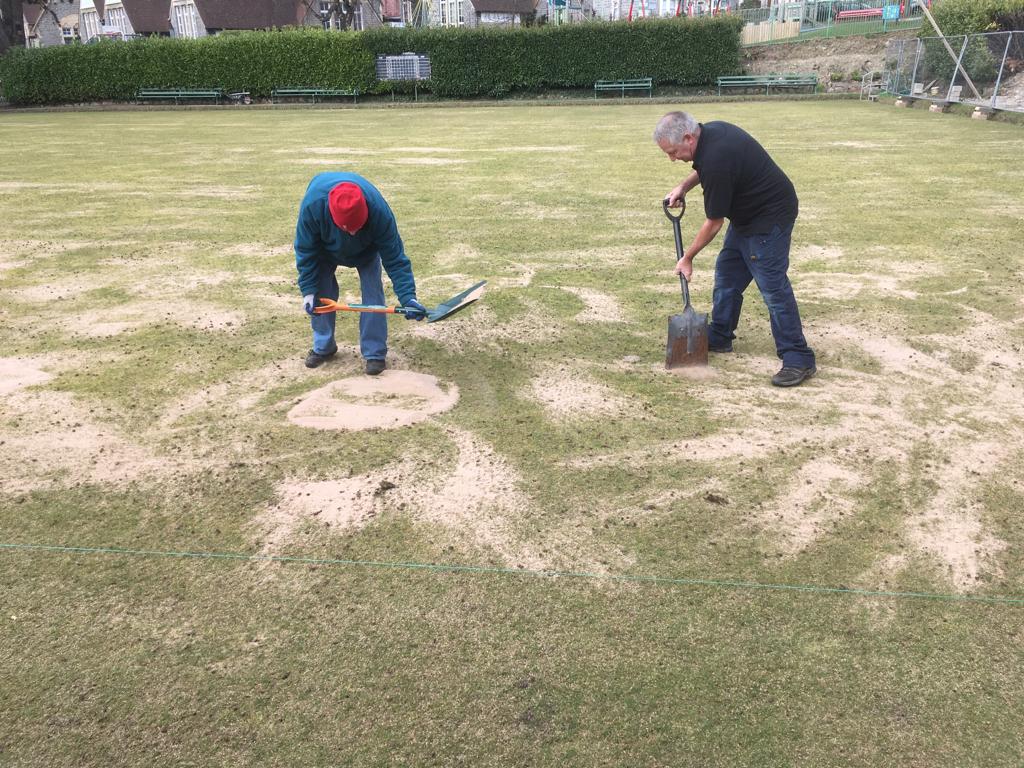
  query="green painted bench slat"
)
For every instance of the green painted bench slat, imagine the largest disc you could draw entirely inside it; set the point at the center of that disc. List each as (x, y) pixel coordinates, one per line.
(636, 84)
(314, 93)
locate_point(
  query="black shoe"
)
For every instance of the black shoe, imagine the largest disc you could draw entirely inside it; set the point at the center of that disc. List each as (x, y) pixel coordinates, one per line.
(720, 347)
(316, 359)
(790, 377)
(375, 367)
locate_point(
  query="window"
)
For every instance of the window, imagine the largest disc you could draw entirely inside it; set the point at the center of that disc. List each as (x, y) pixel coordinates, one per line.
(451, 14)
(90, 25)
(116, 17)
(185, 20)
(330, 18)
(358, 22)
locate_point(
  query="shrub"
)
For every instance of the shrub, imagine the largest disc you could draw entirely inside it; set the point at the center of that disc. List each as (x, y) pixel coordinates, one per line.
(465, 62)
(252, 61)
(965, 17)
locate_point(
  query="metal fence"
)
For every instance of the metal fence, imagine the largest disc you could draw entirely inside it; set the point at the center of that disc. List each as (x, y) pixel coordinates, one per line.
(983, 70)
(828, 18)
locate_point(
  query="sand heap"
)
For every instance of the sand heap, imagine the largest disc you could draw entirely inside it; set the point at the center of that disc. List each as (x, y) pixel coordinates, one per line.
(393, 399)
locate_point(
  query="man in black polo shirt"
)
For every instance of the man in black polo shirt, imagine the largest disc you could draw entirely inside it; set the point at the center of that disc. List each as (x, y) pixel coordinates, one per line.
(743, 184)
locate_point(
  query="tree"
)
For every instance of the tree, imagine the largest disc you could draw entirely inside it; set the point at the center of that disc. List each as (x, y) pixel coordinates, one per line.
(12, 25)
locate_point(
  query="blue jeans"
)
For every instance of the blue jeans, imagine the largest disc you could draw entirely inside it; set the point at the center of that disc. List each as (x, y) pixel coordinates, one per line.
(373, 328)
(765, 260)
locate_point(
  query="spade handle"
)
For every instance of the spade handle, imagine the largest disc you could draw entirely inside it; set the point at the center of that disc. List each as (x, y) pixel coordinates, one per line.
(676, 230)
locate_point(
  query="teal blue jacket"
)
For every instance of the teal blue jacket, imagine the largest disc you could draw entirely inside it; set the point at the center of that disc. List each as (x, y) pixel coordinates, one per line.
(319, 241)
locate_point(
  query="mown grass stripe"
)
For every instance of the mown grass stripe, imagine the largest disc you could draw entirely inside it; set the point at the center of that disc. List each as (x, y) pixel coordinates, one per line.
(483, 569)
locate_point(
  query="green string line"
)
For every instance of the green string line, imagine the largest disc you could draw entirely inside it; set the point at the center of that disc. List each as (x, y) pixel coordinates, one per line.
(446, 568)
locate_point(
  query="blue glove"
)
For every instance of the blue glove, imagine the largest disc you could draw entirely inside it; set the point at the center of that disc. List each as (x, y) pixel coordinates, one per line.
(308, 303)
(414, 310)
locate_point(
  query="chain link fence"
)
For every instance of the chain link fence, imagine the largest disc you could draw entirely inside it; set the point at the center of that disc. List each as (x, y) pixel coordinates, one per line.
(983, 70)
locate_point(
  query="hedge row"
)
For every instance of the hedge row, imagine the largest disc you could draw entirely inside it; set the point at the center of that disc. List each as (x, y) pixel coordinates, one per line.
(465, 62)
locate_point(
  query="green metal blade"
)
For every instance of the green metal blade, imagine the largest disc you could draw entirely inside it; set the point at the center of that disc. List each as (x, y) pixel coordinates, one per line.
(456, 303)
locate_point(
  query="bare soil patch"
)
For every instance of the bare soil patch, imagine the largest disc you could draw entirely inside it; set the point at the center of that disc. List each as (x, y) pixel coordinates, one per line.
(600, 307)
(476, 500)
(393, 399)
(859, 427)
(19, 372)
(566, 391)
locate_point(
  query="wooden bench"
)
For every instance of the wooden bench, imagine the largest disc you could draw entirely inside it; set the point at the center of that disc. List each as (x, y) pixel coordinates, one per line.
(638, 84)
(179, 94)
(768, 82)
(313, 93)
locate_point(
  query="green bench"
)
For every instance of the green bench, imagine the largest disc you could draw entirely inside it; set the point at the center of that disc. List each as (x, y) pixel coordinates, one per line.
(313, 93)
(179, 94)
(638, 84)
(767, 82)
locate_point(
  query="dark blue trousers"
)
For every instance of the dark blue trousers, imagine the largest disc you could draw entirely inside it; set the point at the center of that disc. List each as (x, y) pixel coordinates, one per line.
(373, 328)
(765, 260)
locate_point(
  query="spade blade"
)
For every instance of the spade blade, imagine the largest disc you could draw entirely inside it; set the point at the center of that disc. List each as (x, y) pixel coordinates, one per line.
(456, 303)
(687, 340)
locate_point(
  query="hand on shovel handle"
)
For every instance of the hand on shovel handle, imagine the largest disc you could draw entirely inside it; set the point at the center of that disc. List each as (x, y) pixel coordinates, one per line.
(684, 268)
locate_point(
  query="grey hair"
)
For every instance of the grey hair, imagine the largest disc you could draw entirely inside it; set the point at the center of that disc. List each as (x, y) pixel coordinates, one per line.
(673, 126)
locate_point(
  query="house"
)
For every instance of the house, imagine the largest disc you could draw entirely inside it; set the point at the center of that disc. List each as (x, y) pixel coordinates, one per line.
(504, 13)
(124, 19)
(50, 22)
(199, 18)
(367, 14)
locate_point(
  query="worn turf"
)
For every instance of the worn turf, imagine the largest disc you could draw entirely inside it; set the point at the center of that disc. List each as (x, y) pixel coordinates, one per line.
(151, 347)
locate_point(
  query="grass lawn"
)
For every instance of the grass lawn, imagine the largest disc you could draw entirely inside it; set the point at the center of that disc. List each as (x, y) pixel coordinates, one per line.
(151, 346)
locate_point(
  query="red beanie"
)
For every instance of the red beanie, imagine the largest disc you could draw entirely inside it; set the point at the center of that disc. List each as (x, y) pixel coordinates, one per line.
(348, 207)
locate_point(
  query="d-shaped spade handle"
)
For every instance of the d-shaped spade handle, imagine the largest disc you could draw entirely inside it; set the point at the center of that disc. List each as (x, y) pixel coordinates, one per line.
(679, 243)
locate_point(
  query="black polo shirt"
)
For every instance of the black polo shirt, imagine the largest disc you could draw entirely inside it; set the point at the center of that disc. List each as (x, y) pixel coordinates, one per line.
(741, 182)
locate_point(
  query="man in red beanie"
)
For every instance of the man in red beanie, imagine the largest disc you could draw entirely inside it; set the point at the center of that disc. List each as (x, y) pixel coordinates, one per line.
(345, 221)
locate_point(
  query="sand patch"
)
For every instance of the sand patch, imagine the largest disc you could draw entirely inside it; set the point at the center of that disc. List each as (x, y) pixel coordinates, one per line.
(425, 161)
(393, 399)
(855, 144)
(128, 317)
(600, 307)
(457, 255)
(479, 327)
(818, 495)
(476, 499)
(567, 392)
(57, 443)
(825, 253)
(7, 264)
(259, 250)
(522, 279)
(20, 372)
(949, 527)
(837, 285)
(690, 372)
(226, 193)
(241, 391)
(847, 429)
